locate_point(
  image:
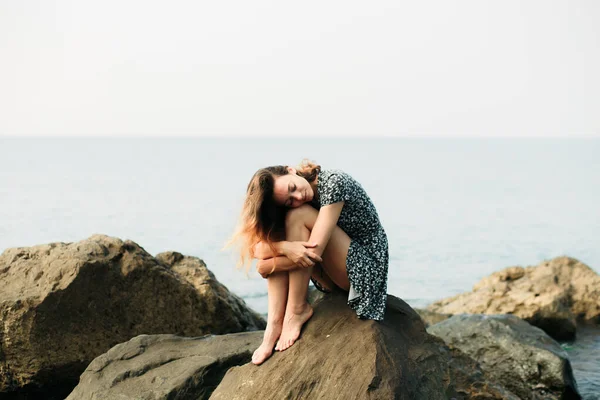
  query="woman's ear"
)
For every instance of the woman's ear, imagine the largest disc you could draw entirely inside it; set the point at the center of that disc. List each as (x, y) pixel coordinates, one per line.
(292, 170)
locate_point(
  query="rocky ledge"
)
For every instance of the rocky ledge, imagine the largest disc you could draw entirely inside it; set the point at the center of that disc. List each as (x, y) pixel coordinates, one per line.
(554, 296)
(63, 304)
(342, 357)
(337, 356)
(103, 319)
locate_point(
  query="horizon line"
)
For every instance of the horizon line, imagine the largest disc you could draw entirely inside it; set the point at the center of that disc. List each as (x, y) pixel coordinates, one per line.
(292, 136)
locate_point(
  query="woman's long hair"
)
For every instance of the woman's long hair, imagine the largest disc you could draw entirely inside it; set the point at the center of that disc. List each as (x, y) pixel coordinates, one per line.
(262, 220)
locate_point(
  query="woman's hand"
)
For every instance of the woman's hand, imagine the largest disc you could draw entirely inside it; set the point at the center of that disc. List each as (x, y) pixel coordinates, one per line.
(300, 254)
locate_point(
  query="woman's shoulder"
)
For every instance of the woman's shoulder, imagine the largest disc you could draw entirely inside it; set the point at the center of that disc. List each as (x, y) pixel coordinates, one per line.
(333, 185)
(334, 176)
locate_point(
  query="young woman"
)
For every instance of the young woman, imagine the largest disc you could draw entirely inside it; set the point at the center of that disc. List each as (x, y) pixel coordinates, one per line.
(318, 224)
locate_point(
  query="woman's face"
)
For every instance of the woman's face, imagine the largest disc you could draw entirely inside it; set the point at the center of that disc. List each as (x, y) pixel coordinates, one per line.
(292, 190)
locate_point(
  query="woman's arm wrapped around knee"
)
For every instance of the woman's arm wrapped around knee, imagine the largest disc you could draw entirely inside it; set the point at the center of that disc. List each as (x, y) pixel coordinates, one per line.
(300, 253)
(275, 264)
(263, 251)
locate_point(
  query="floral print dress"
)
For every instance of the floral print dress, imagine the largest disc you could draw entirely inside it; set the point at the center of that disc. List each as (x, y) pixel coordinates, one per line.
(368, 256)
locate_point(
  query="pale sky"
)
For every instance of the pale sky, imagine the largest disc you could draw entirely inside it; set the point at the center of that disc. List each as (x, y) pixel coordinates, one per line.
(346, 68)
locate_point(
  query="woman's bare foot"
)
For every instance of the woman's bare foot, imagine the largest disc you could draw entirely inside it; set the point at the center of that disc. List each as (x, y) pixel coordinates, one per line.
(292, 325)
(265, 350)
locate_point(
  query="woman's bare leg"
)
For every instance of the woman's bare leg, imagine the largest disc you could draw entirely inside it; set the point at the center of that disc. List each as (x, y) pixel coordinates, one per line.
(297, 311)
(277, 288)
(336, 251)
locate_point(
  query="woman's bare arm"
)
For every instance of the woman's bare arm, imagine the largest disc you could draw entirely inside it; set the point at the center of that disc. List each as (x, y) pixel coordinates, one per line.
(324, 225)
(262, 251)
(282, 263)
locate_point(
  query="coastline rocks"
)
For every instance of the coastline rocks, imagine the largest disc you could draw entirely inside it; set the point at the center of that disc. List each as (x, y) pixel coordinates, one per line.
(152, 367)
(553, 296)
(63, 304)
(430, 317)
(341, 356)
(521, 357)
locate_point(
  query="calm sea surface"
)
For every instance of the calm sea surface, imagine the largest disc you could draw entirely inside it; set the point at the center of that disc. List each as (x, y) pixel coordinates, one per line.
(455, 210)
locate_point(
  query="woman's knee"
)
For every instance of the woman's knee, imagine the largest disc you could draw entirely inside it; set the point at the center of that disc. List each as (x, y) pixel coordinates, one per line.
(300, 215)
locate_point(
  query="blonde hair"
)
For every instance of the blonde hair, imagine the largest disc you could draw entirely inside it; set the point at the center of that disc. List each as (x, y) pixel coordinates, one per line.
(261, 219)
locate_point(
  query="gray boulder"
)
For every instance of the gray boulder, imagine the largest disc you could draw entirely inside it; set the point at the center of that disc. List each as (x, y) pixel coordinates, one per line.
(161, 367)
(521, 357)
(467, 378)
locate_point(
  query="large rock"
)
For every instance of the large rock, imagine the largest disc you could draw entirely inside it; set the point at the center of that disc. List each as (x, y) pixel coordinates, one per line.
(63, 304)
(339, 356)
(161, 367)
(521, 357)
(552, 296)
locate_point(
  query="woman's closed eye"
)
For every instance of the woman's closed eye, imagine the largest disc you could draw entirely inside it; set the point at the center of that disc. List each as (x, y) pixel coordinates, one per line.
(291, 201)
